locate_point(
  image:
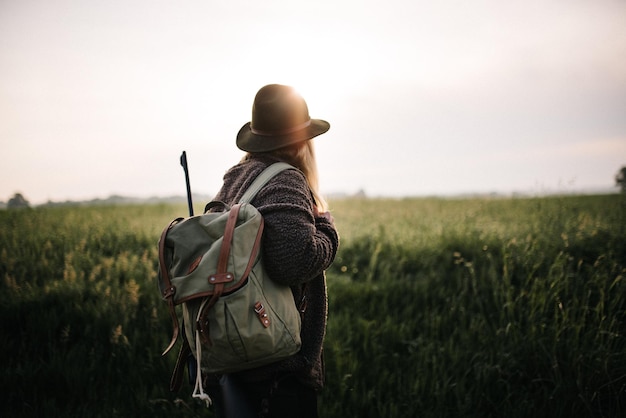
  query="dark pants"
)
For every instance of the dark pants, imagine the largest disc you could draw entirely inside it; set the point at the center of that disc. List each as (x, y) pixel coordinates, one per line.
(283, 397)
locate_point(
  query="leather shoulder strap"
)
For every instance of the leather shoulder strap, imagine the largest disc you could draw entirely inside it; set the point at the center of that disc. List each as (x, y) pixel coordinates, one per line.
(262, 179)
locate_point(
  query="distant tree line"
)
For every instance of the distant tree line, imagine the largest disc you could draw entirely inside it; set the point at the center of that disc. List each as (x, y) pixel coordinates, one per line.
(19, 201)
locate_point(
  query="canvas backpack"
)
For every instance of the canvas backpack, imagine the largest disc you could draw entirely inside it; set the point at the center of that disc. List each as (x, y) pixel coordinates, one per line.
(234, 316)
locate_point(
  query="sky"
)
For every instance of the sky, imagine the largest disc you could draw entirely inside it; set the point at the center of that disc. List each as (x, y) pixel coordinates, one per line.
(423, 97)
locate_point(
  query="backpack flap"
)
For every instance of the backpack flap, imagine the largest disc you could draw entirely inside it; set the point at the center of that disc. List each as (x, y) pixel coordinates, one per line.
(165, 283)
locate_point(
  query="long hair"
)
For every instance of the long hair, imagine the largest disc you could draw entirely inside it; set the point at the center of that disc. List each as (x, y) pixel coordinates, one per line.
(302, 156)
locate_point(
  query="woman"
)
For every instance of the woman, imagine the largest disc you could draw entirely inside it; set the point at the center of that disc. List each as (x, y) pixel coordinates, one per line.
(299, 244)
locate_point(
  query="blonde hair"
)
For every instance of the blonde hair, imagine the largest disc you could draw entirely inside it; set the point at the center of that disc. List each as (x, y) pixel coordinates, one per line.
(302, 156)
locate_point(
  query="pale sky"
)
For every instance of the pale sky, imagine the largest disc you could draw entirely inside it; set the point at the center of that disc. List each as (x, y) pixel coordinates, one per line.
(423, 97)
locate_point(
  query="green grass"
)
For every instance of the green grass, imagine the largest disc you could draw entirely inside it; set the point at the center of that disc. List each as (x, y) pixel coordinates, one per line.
(438, 308)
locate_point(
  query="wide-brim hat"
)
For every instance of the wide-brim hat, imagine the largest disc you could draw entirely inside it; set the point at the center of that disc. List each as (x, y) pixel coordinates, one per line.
(280, 117)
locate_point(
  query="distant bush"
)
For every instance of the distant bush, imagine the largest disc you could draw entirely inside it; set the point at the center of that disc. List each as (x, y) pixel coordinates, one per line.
(17, 202)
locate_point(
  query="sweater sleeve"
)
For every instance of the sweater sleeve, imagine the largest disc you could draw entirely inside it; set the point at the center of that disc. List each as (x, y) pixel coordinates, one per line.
(297, 246)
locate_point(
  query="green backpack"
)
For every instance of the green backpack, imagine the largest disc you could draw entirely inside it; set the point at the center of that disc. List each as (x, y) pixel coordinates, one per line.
(235, 317)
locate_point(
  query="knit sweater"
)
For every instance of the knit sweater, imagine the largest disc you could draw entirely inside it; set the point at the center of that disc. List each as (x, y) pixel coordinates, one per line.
(297, 248)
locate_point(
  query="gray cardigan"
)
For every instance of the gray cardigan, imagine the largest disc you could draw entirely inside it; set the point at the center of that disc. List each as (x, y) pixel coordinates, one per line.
(297, 248)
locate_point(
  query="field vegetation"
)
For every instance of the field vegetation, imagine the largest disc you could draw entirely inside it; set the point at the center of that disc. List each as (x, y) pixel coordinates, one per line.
(438, 308)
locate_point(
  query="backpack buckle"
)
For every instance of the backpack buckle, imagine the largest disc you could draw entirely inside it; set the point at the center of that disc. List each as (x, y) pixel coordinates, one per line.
(259, 309)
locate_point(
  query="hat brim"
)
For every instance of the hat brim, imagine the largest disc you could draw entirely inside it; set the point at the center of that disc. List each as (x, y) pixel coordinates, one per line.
(251, 142)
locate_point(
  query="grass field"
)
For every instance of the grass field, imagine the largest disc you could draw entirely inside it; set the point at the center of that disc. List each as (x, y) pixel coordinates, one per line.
(438, 308)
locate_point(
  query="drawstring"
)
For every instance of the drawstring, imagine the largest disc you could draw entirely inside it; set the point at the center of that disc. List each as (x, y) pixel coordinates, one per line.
(198, 391)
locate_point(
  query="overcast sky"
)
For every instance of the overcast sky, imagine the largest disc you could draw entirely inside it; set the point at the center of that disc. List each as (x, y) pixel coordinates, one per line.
(423, 97)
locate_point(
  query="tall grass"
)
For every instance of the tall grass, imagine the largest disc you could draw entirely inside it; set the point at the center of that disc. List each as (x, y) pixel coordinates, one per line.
(82, 329)
(464, 308)
(479, 308)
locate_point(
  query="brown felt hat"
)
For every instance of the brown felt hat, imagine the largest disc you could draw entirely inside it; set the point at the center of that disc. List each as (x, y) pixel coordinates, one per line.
(280, 117)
